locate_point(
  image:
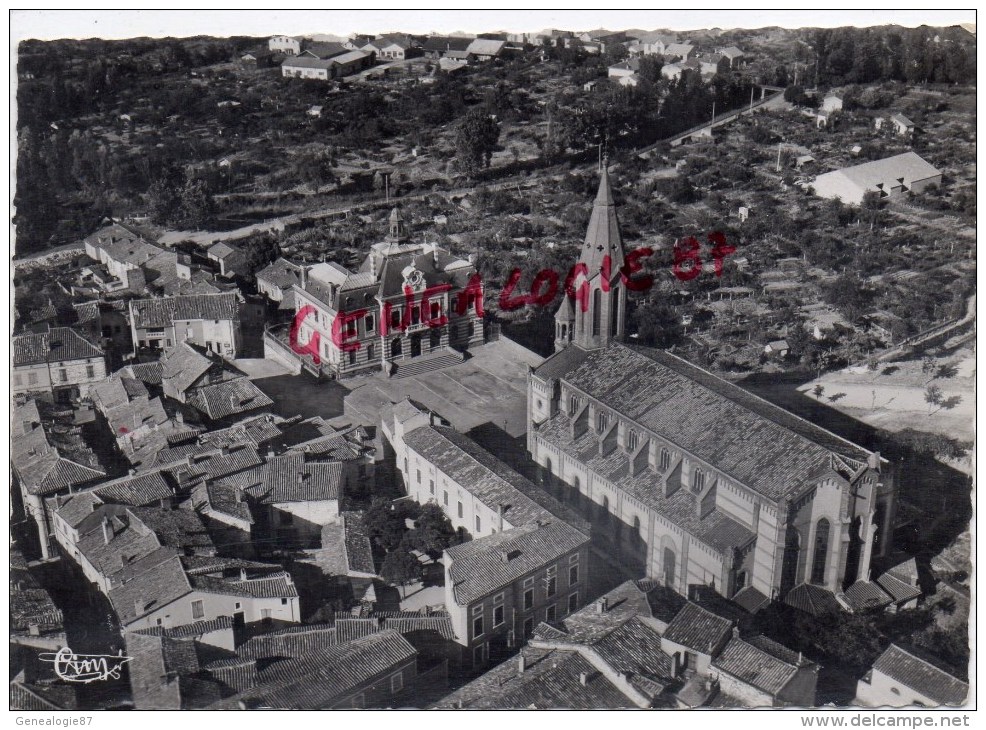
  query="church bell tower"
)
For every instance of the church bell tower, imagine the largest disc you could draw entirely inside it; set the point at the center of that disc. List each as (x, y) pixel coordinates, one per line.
(603, 320)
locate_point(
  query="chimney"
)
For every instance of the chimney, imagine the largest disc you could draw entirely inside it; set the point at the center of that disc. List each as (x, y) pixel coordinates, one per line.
(601, 605)
(736, 632)
(243, 574)
(873, 461)
(800, 658)
(179, 418)
(499, 514)
(107, 530)
(583, 678)
(123, 560)
(58, 501)
(521, 663)
(505, 556)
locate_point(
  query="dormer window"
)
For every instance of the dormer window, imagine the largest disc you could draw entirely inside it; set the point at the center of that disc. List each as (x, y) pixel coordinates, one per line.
(698, 480)
(631, 440)
(573, 405)
(602, 421)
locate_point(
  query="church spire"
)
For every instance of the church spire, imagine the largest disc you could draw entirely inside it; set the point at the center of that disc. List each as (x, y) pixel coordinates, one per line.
(602, 238)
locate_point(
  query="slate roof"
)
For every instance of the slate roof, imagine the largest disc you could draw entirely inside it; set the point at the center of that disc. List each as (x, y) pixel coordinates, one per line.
(321, 678)
(228, 398)
(162, 312)
(922, 677)
(59, 344)
(477, 568)
(289, 478)
(754, 666)
(759, 445)
(487, 478)
(698, 629)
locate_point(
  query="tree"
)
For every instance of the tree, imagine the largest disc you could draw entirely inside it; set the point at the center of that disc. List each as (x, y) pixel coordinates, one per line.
(657, 325)
(933, 397)
(385, 525)
(434, 531)
(818, 390)
(476, 139)
(929, 366)
(400, 567)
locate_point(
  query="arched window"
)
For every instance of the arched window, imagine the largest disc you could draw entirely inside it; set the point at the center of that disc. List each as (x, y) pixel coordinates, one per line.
(665, 459)
(820, 555)
(573, 405)
(597, 307)
(636, 524)
(602, 421)
(631, 440)
(669, 567)
(698, 480)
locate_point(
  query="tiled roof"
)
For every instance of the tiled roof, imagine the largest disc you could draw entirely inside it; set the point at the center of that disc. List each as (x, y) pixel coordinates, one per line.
(135, 414)
(487, 478)
(281, 273)
(552, 679)
(750, 599)
(589, 624)
(228, 398)
(319, 679)
(199, 628)
(184, 364)
(635, 649)
(748, 439)
(351, 628)
(59, 344)
(406, 623)
(275, 586)
(899, 591)
(922, 677)
(778, 651)
(442, 43)
(116, 390)
(147, 372)
(325, 50)
(289, 478)
(156, 587)
(37, 460)
(222, 462)
(222, 498)
(30, 604)
(485, 47)
(812, 599)
(864, 595)
(164, 311)
(478, 568)
(293, 641)
(698, 629)
(910, 166)
(346, 546)
(754, 666)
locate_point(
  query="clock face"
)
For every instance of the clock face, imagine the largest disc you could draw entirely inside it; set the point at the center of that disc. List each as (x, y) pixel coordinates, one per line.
(415, 279)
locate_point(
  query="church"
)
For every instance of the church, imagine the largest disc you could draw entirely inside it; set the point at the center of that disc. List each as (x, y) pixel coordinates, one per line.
(695, 480)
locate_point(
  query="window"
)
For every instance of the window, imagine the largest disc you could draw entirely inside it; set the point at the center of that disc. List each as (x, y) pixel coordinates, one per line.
(431, 486)
(284, 601)
(669, 567)
(419, 476)
(631, 440)
(32, 378)
(665, 459)
(573, 405)
(169, 342)
(528, 627)
(528, 599)
(396, 683)
(90, 371)
(549, 615)
(596, 311)
(573, 575)
(477, 626)
(895, 690)
(445, 498)
(551, 580)
(352, 357)
(470, 329)
(601, 422)
(198, 609)
(63, 375)
(497, 615)
(370, 354)
(238, 605)
(405, 466)
(479, 527)
(460, 510)
(819, 558)
(158, 622)
(369, 322)
(395, 318)
(698, 480)
(573, 603)
(636, 524)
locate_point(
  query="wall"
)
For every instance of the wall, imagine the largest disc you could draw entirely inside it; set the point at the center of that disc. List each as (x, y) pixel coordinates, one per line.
(152, 689)
(179, 613)
(378, 691)
(48, 376)
(880, 690)
(750, 695)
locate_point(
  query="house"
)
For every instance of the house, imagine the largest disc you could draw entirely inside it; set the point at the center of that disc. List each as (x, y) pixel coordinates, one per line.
(633, 452)
(832, 103)
(762, 673)
(484, 49)
(356, 42)
(437, 46)
(60, 362)
(625, 70)
(714, 64)
(527, 561)
(902, 125)
(260, 58)
(901, 584)
(385, 327)
(553, 37)
(127, 409)
(734, 55)
(350, 63)
(899, 678)
(230, 259)
(889, 177)
(392, 48)
(123, 255)
(649, 44)
(678, 51)
(777, 347)
(308, 68)
(211, 321)
(205, 382)
(672, 71)
(276, 280)
(35, 620)
(323, 51)
(288, 45)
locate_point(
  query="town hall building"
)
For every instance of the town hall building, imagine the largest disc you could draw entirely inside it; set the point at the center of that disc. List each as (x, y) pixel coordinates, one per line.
(704, 482)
